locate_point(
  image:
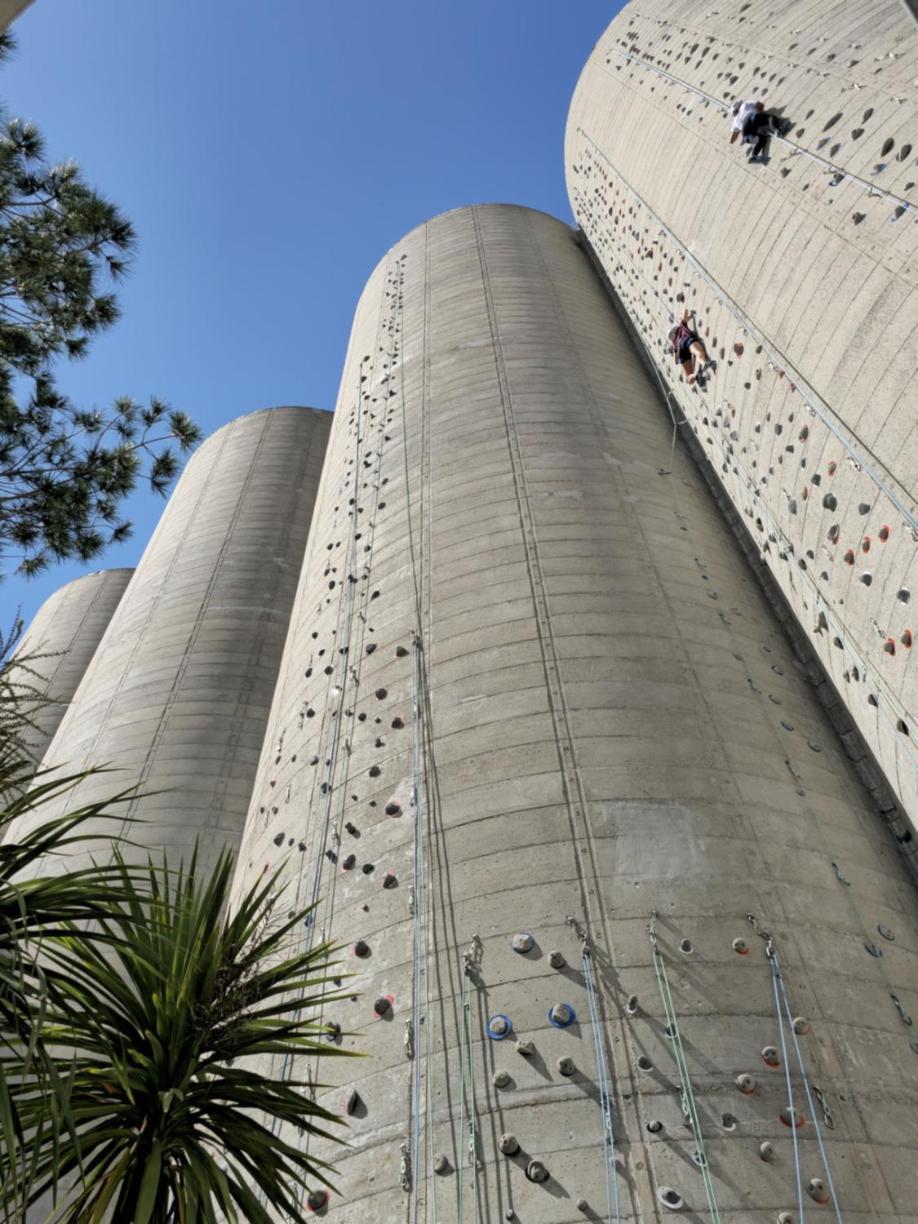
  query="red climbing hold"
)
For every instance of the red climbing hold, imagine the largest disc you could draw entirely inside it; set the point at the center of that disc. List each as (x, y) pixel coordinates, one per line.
(884, 533)
(906, 639)
(849, 557)
(889, 646)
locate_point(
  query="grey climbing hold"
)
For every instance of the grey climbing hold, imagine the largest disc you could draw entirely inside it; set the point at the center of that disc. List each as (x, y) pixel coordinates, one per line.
(583, 1205)
(500, 1079)
(536, 1171)
(561, 1015)
(770, 1056)
(801, 1025)
(745, 1083)
(670, 1198)
(556, 960)
(886, 932)
(508, 1144)
(566, 1066)
(316, 1199)
(632, 1005)
(654, 1126)
(441, 1163)
(526, 1048)
(766, 1151)
(817, 1190)
(522, 942)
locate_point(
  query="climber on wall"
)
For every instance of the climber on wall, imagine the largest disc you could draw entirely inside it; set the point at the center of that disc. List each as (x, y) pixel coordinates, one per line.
(688, 349)
(759, 125)
(741, 112)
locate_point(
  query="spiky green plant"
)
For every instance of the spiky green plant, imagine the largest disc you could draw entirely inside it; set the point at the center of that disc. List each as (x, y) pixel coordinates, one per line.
(36, 913)
(176, 1029)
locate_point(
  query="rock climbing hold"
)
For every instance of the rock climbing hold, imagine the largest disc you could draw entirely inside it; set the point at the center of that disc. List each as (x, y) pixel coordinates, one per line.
(670, 1198)
(441, 1163)
(393, 809)
(817, 1190)
(565, 1066)
(583, 1205)
(361, 949)
(801, 1025)
(766, 1151)
(351, 1101)
(389, 880)
(508, 1144)
(793, 1118)
(522, 942)
(316, 1199)
(740, 946)
(654, 1126)
(370, 647)
(685, 946)
(770, 1056)
(381, 693)
(886, 932)
(728, 1121)
(401, 651)
(398, 723)
(383, 1005)
(499, 1027)
(536, 1171)
(332, 1030)
(561, 1015)
(526, 1048)
(745, 1083)
(644, 1063)
(784, 1217)
(632, 1005)
(556, 960)
(500, 1079)
(349, 862)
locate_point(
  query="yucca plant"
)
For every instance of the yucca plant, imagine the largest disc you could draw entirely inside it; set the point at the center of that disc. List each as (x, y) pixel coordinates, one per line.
(176, 1031)
(37, 912)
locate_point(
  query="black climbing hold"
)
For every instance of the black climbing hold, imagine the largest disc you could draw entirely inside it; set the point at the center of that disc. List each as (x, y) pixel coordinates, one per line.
(389, 880)
(368, 869)
(361, 949)
(370, 647)
(382, 1006)
(279, 840)
(381, 693)
(331, 856)
(401, 651)
(374, 771)
(398, 723)
(393, 809)
(349, 862)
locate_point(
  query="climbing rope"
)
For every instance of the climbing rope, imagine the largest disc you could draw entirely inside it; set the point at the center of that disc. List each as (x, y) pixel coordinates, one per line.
(784, 1016)
(689, 1106)
(876, 952)
(810, 397)
(860, 659)
(468, 1122)
(613, 1197)
(710, 100)
(420, 991)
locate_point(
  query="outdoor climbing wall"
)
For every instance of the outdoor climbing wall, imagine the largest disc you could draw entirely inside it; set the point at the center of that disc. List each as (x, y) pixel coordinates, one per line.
(802, 274)
(61, 641)
(178, 692)
(538, 749)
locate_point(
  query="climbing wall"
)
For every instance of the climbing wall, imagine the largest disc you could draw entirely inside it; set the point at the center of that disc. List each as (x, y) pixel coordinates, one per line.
(802, 276)
(61, 641)
(623, 933)
(178, 692)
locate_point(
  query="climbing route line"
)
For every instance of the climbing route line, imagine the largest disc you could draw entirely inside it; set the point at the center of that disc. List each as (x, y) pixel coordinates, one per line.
(786, 1023)
(810, 396)
(871, 946)
(853, 648)
(726, 107)
(468, 1116)
(689, 1106)
(613, 1195)
(420, 1002)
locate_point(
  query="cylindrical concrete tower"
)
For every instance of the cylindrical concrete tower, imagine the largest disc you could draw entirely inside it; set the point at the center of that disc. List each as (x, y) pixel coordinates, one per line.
(802, 273)
(539, 748)
(61, 641)
(178, 692)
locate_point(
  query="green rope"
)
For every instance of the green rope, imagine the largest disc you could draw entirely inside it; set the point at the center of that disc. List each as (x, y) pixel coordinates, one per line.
(689, 1107)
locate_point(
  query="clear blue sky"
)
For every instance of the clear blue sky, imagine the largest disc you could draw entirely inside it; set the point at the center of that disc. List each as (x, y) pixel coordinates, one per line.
(268, 153)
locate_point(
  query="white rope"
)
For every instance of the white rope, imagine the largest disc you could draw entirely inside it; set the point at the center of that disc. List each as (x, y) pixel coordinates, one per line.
(727, 108)
(810, 397)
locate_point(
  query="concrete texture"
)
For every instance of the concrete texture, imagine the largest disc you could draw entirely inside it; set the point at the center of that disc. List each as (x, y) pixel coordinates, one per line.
(10, 10)
(803, 276)
(529, 675)
(59, 645)
(178, 692)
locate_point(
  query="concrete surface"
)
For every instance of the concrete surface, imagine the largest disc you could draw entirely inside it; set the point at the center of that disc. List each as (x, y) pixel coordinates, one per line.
(10, 10)
(803, 277)
(59, 645)
(178, 692)
(521, 605)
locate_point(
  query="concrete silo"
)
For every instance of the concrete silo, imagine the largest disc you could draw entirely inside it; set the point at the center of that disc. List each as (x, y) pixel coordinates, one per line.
(178, 692)
(605, 878)
(61, 641)
(803, 275)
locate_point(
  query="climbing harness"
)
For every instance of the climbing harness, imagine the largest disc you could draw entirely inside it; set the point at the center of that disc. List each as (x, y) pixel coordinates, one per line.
(689, 1107)
(613, 1194)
